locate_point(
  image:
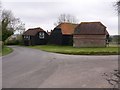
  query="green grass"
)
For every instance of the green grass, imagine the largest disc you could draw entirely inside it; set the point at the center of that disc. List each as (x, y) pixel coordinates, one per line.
(5, 50)
(78, 51)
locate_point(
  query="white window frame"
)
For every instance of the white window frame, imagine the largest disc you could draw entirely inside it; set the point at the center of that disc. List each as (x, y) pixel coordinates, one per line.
(41, 35)
(27, 37)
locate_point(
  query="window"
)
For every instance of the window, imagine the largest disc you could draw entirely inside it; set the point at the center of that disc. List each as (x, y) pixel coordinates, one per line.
(27, 37)
(24, 36)
(41, 35)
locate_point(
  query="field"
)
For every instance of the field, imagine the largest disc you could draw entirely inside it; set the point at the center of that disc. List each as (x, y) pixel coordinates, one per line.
(111, 50)
(5, 51)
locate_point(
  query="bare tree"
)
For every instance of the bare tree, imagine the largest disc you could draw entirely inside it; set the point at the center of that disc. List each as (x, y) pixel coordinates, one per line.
(117, 5)
(10, 24)
(66, 18)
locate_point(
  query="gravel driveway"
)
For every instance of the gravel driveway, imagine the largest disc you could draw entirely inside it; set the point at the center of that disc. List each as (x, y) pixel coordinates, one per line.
(30, 68)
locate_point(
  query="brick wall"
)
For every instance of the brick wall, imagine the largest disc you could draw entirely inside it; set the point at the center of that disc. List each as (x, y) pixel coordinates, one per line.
(89, 41)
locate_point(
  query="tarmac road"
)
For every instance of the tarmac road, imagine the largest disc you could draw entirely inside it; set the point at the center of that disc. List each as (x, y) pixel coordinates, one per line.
(31, 68)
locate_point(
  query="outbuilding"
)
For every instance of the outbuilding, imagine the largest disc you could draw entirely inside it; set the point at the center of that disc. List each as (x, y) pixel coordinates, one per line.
(90, 34)
(35, 36)
(62, 34)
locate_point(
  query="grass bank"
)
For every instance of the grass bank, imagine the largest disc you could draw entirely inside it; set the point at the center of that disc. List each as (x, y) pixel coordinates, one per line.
(5, 50)
(78, 51)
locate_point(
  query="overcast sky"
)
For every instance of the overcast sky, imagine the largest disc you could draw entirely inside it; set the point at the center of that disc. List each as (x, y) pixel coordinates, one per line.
(44, 13)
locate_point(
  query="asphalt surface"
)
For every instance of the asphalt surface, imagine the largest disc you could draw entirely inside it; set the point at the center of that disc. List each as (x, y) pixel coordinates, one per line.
(30, 68)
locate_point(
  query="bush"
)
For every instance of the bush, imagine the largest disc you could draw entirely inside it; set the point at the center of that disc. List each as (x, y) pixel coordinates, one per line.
(15, 41)
(12, 42)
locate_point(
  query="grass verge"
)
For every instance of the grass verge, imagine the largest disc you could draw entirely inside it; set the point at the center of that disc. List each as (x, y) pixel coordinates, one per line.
(5, 50)
(78, 51)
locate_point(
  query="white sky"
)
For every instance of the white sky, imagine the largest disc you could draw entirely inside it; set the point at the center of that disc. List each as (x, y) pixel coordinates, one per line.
(44, 13)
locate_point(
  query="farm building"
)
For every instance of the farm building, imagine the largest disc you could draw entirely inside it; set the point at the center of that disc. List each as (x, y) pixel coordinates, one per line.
(90, 34)
(62, 34)
(35, 36)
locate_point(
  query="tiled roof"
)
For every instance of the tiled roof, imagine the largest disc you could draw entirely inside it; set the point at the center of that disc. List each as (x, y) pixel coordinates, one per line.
(33, 31)
(67, 28)
(91, 28)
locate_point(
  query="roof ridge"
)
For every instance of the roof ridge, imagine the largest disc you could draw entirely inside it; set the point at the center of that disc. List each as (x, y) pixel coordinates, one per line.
(35, 28)
(66, 23)
(90, 28)
(92, 22)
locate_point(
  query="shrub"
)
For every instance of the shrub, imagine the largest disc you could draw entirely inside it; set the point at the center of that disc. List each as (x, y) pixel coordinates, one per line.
(15, 41)
(12, 42)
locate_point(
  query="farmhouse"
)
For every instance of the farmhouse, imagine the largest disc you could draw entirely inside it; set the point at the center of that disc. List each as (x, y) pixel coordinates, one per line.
(62, 34)
(35, 36)
(90, 34)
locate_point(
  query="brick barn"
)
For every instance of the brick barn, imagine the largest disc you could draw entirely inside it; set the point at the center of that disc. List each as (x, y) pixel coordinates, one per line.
(62, 34)
(35, 36)
(90, 34)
